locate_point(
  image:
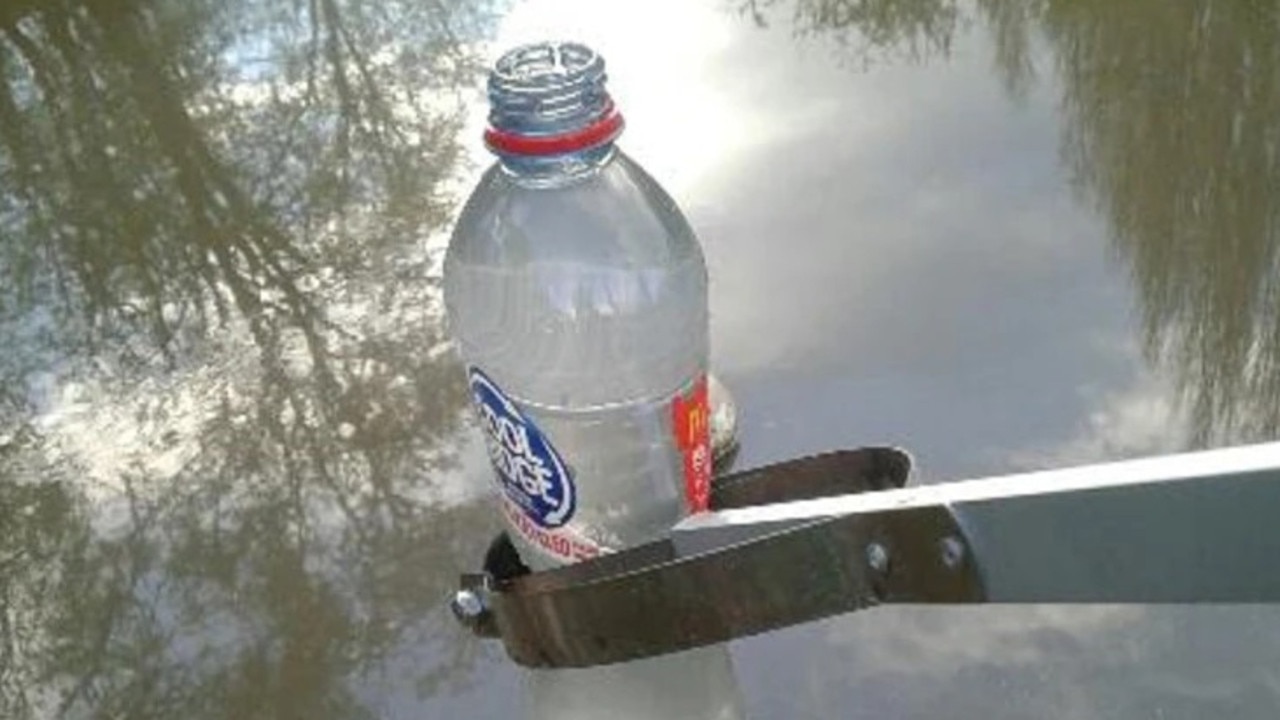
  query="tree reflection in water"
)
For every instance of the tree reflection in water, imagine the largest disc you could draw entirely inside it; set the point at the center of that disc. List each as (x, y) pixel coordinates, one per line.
(1171, 131)
(869, 29)
(224, 410)
(225, 403)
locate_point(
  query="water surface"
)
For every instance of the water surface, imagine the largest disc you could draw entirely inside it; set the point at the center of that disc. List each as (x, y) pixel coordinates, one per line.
(236, 475)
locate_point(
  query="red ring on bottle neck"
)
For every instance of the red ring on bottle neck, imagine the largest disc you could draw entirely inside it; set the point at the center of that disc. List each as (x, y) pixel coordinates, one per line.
(608, 127)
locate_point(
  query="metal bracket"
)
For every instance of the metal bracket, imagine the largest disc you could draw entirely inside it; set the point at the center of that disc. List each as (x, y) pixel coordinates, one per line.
(1191, 528)
(677, 594)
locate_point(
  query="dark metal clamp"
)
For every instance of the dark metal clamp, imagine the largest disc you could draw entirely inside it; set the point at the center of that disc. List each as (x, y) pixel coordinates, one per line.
(691, 590)
(819, 536)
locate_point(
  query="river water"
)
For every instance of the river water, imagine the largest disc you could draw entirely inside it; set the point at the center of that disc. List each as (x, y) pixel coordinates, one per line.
(237, 478)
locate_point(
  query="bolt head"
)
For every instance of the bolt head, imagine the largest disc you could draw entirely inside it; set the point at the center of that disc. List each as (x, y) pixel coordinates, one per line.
(878, 557)
(467, 606)
(952, 550)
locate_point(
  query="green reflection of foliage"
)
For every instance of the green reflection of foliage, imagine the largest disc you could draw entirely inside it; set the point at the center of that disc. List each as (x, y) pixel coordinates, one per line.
(1173, 124)
(1172, 127)
(39, 525)
(870, 28)
(156, 151)
(1012, 28)
(213, 220)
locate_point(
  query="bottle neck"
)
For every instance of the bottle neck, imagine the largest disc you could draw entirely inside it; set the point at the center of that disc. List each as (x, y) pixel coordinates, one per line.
(556, 170)
(551, 121)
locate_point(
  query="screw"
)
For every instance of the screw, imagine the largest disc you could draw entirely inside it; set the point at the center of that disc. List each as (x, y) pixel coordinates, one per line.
(952, 551)
(878, 557)
(467, 607)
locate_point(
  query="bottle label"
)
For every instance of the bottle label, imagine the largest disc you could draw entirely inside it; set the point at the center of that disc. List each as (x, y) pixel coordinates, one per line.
(561, 544)
(532, 474)
(691, 421)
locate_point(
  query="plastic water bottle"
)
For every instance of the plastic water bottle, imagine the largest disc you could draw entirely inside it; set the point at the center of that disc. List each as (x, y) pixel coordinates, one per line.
(578, 295)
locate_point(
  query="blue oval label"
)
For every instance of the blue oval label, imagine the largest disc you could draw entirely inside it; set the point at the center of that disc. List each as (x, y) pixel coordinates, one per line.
(528, 467)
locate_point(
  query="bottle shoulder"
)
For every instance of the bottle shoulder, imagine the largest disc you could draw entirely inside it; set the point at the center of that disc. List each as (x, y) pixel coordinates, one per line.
(616, 214)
